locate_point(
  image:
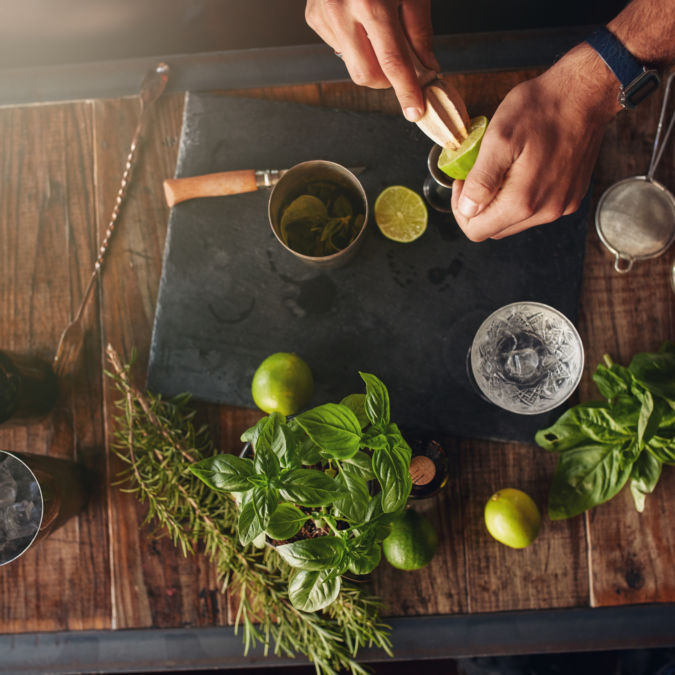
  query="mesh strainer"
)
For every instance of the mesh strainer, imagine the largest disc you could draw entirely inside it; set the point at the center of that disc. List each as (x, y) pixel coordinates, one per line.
(635, 217)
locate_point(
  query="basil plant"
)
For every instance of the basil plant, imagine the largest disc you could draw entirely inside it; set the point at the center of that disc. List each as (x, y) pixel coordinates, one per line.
(308, 489)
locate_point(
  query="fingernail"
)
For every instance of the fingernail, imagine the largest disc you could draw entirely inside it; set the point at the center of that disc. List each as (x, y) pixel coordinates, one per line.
(467, 207)
(412, 114)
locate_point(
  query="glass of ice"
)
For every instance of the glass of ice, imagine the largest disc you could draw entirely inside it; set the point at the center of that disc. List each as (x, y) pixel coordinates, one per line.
(526, 357)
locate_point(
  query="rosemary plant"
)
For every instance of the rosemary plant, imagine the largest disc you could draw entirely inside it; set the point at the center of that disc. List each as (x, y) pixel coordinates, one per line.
(158, 440)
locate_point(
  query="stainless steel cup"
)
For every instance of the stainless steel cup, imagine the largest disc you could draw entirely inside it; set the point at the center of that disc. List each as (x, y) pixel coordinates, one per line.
(291, 184)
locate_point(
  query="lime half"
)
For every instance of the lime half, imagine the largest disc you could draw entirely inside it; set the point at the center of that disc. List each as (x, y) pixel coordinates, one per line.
(457, 163)
(401, 214)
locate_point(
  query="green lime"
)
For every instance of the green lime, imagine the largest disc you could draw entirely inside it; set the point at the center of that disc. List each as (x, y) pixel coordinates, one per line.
(512, 518)
(401, 214)
(411, 544)
(457, 163)
(282, 383)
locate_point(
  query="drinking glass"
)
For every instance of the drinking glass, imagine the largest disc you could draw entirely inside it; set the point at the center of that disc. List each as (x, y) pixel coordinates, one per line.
(38, 494)
(437, 186)
(526, 357)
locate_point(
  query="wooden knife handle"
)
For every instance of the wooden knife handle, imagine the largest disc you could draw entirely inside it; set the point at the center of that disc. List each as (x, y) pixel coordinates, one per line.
(177, 190)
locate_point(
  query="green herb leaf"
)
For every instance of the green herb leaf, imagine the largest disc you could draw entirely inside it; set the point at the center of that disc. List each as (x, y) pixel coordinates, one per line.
(365, 557)
(267, 431)
(312, 591)
(643, 478)
(612, 381)
(225, 472)
(334, 428)
(308, 487)
(248, 526)
(587, 421)
(264, 501)
(360, 464)
(285, 522)
(662, 448)
(377, 400)
(313, 554)
(379, 522)
(357, 404)
(374, 439)
(352, 500)
(586, 476)
(391, 469)
(266, 463)
(656, 371)
(396, 440)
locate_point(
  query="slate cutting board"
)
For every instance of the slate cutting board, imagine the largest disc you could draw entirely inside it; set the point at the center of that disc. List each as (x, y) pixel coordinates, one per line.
(230, 295)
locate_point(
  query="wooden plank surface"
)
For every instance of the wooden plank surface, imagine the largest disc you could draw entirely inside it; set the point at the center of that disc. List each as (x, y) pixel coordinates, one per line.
(61, 171)
(47, 247)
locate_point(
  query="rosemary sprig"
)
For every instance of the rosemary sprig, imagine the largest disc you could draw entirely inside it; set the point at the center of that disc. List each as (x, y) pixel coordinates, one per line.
(157, 439)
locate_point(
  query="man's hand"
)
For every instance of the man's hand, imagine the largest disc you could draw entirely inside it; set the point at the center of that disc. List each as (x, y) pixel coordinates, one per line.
(537, 155)
(374, 38)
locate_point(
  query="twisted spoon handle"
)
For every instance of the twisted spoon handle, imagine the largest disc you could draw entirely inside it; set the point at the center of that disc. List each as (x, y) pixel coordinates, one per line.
(151, 89)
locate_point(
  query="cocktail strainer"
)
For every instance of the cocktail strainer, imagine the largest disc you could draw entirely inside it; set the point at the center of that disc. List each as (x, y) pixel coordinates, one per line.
(635, 217)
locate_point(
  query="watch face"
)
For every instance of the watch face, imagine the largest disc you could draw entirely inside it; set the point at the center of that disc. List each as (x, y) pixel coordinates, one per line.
(638, 90)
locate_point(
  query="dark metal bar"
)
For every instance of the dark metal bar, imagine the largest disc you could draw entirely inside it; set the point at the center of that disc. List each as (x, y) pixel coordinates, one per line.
(274, 66)
(414, 638)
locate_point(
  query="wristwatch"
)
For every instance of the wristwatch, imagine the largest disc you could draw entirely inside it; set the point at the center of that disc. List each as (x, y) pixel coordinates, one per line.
(637, 80)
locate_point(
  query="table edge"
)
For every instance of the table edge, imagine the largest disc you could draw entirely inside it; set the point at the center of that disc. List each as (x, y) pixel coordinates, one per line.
(414, 638)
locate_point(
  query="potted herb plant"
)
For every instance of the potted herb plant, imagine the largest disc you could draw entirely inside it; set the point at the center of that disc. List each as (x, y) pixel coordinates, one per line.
(322, 487)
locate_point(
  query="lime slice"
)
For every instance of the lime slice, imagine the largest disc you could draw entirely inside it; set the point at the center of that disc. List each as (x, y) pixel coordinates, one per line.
(400, 213)
(457, 163)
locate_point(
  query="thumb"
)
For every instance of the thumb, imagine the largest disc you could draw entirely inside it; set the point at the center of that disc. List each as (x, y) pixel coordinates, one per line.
(487, 175)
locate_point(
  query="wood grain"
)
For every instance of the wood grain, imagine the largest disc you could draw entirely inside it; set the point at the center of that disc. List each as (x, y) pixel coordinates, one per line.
(61, 167)
(47, 218)
(631, 554)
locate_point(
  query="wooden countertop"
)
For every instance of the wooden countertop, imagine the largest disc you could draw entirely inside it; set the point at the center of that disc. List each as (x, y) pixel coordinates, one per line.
(61, 165)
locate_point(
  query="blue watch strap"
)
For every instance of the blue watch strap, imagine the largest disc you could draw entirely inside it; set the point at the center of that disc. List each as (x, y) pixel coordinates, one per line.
(618, 59)
(636, 80)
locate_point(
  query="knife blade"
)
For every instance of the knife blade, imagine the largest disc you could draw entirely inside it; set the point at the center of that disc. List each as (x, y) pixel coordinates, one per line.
(224, 183)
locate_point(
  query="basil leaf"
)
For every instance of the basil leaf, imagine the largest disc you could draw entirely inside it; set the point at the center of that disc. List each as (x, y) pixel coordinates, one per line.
(266, 462)
(357, 404)
(285, 522)
(313, 554)
(312, 591)
(652, 412)
(662, 448)
(352, 500)
(334, 428)
(586, 476)
(377, 400)
(308, 487)
(267, 432)
(251, 434)
(248, 526)
(397, 441)
(391, 471)
(364, 558)
(374, 440)
(656, 371)
(360, 464)
(379, 522)
(625, 410)
(225, 472)
(612, 381)
(264, 501)
(643, 478)
(588, 421)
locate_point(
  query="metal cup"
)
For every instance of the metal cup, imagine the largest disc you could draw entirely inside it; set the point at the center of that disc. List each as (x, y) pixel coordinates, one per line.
(437, 186)
(291, 184)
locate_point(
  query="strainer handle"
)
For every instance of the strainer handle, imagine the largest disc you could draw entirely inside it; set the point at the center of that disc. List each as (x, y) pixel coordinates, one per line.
(627, 263)
(659, 147)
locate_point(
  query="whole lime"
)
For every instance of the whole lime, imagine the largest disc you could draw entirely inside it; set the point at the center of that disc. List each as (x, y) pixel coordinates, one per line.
(412, 542)
(512, 518)
(282, 383)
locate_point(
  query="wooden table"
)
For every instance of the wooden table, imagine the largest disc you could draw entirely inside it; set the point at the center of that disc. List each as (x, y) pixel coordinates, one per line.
(61, 165)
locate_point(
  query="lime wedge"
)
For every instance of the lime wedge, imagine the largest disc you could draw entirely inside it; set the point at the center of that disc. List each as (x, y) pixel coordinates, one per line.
(457, 163)
(401, 214)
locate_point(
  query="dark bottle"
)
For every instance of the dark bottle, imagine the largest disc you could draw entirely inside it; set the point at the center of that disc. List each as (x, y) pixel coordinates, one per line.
(428, 466)
(28, 388)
